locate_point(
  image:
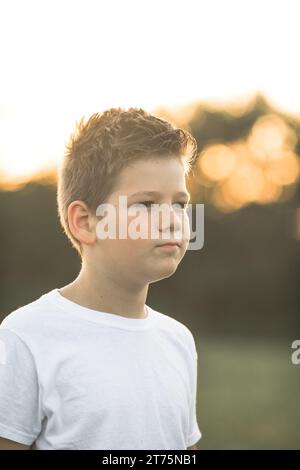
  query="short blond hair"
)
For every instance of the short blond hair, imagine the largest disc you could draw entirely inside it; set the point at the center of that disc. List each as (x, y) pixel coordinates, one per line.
(103, 145)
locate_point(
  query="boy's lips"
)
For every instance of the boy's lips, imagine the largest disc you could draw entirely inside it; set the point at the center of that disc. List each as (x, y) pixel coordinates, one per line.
(171, 243)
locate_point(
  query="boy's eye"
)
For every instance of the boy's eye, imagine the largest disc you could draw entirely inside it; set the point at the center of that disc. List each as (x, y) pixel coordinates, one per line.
(182, 205)
(176, 204)
(147, 203)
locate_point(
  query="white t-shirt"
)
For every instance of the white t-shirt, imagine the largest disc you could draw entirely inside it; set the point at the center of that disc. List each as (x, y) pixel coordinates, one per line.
(76, 378)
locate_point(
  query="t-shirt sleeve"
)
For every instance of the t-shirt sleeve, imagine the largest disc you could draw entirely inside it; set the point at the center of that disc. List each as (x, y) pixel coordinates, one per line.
(20, 416)
(194, 432)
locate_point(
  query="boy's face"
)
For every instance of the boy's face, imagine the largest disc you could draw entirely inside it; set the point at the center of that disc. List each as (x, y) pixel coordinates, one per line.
(144, 260)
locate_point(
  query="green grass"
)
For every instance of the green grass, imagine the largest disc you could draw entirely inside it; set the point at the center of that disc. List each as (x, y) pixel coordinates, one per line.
(248, 395)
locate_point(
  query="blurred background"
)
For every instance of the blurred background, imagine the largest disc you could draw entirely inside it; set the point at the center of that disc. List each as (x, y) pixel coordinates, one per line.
(228, 72)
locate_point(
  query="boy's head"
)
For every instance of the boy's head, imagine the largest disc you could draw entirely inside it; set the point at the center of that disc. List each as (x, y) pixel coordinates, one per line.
(120, 153)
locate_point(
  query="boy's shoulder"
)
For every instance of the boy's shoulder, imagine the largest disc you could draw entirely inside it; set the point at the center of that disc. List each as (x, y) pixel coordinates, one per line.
(27, 317)
(39, 315)
(170, 323)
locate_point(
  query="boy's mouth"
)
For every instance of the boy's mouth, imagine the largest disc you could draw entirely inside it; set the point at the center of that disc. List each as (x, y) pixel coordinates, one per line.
(171, 243)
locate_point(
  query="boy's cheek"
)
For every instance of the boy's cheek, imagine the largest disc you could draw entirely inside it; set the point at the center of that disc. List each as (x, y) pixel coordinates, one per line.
(140, 233)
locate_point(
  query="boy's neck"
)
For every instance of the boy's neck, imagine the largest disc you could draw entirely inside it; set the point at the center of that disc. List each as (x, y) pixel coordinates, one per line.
(106, 295)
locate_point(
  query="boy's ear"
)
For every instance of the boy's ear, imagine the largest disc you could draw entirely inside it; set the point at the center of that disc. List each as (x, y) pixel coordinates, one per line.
(82, 222)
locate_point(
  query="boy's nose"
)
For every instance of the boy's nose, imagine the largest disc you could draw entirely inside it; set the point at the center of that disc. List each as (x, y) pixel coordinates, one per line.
(171, 220)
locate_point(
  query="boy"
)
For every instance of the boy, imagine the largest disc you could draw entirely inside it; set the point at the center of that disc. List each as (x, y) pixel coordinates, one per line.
(90, 365)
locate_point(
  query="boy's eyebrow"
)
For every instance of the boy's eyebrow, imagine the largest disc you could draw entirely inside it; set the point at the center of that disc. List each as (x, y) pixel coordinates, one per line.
(157, 193)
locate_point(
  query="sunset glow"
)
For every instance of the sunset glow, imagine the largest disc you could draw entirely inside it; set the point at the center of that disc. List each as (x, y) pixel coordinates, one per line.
(64, 60)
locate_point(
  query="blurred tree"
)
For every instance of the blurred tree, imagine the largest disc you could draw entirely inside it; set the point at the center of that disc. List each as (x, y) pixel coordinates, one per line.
(243, 282)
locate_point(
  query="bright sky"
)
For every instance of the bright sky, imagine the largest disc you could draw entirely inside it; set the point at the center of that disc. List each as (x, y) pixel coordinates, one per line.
(61, 59)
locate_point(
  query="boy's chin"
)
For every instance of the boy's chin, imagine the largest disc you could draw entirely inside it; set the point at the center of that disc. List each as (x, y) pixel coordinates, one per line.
(165, 272)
